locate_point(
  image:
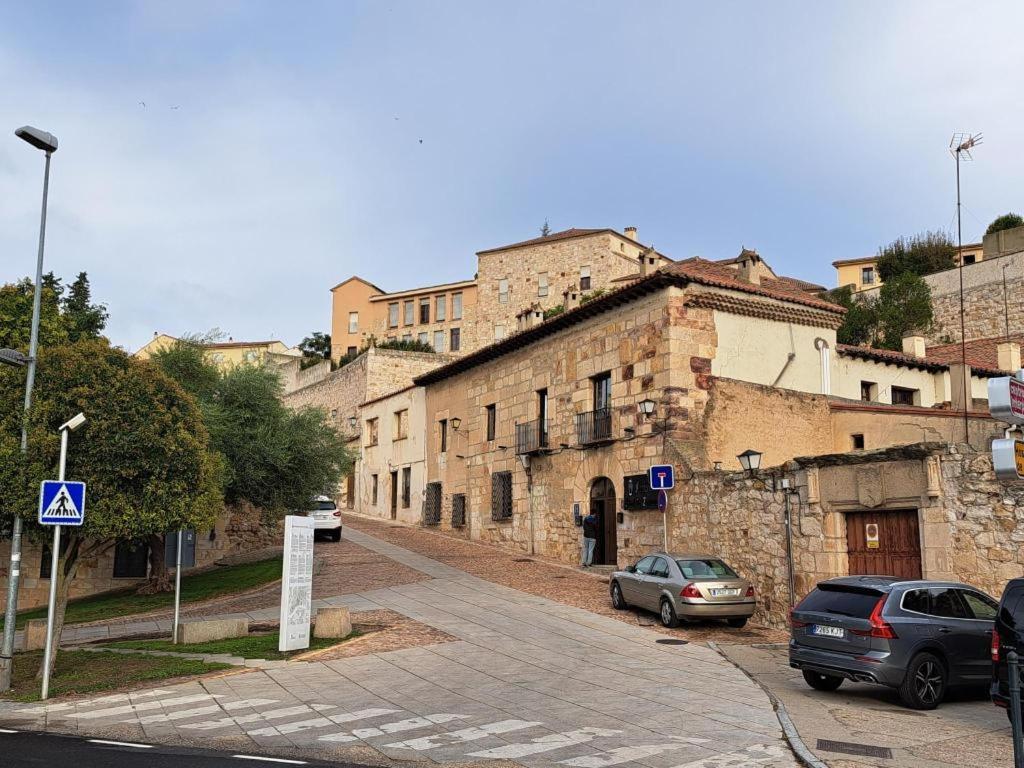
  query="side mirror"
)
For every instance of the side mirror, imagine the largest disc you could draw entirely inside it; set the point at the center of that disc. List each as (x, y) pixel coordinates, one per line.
(631, 569)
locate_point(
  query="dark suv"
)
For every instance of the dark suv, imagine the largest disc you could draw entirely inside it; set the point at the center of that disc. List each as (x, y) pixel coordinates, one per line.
(1007, 635)
(919, 637)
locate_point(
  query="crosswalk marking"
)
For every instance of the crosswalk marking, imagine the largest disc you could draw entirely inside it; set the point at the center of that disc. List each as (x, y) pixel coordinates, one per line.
(185, 714)
(142, 707)
(272, 714)
(619, 755)
(115, 698)
(320, 722)
(758, 754)
(410, 724)
(473, 733)
(544, 744)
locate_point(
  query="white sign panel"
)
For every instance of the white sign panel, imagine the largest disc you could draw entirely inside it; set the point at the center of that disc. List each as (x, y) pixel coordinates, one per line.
(296, 583)
(1006, 399)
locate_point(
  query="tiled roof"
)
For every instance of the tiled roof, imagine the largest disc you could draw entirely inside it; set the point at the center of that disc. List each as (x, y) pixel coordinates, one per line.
(980, 352)
(565, 234)
(929, 363)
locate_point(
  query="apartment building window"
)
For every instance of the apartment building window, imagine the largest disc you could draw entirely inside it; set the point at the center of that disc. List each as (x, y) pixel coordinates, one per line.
(969, 258)
(350, 351)
(373, 490)
(867, 275)
(868, 391)
(499, 332)
(442, 431)
(131, 559)
(458, 510)
(904, 396)
(542, 417)
(424, 311)
(393, 315)
(353, 322)
(371, 431)
(503, 291)
(585, 278)
(542, 284)
(409, 312)
(858, 442)
(401, 424)
(432, 505)
(456, 306)
(456, 340)
(406, 487)
(423, 337)
(602, 386)
(406, 337)
(491, 411)
(440, 307)
(501, 496)
(439, 341)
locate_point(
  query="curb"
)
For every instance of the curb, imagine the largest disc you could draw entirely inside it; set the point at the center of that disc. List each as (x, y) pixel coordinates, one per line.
(800, 749)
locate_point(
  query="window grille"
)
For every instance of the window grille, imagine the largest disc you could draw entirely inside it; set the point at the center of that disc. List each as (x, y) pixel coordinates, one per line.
(458, 510)
(501, 496)
(432, 505)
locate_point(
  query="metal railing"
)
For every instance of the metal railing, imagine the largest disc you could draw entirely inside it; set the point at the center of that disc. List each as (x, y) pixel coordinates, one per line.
(531, 436)
(594, 426)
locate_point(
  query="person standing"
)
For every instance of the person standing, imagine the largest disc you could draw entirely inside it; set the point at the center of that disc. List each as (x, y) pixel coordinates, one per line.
(590, 529)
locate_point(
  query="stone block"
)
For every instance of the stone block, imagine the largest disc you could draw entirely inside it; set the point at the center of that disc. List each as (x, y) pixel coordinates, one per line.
(190, 632)
(35, 634)
(334, 621)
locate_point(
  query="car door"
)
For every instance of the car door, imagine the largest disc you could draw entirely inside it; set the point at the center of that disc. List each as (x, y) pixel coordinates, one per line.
(655, 582)
(632, 583)
(952, 630)
(982, 610)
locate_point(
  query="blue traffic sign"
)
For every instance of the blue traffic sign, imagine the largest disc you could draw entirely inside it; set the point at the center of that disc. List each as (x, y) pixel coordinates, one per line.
(61, 502)
(661, 477)
(662, 501)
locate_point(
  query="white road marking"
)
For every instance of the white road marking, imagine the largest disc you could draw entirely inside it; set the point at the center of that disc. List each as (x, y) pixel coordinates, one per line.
(410, 724)
(270, 759)
(758, 754)
(93, 702)
(185, 714)
(143, 707)
(473, 733)
(320, 722)
(619, 755)
(4, 730)
(272, 714)
(544, 744)
(120, 744)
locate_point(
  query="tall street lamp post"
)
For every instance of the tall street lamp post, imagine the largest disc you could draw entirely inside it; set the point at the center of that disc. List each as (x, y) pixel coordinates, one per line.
(47, 142)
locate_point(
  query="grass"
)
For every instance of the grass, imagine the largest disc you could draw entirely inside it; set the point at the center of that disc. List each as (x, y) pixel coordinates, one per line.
(85, 672)
(251, 647)
(217, 582)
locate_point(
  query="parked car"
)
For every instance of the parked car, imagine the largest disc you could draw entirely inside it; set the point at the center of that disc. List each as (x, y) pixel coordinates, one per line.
(1006, 637)
(326, 518)
(684, 587)
(920, 637)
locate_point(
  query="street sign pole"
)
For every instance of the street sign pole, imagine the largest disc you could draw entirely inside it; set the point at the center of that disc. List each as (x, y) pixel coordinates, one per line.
(177, 590)
(54, 565)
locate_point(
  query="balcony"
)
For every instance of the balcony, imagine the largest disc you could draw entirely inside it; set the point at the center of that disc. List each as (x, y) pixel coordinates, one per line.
(594, 427)
(531, 437)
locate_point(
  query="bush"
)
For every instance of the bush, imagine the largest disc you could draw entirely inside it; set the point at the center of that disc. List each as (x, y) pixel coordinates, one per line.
(1006, 221)
(920, 255)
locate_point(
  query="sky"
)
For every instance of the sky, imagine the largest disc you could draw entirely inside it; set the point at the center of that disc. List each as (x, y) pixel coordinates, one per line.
(223, 164)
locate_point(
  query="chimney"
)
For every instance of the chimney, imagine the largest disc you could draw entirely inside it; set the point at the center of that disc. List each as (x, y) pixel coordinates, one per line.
(959, 375)
(748, 266)
(1009, 356)
(648, 261)
(914, 346)
(571, 299)
(630, 232)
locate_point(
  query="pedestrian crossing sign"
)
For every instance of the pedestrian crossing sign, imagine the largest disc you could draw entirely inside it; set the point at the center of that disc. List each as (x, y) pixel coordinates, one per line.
(61, 502)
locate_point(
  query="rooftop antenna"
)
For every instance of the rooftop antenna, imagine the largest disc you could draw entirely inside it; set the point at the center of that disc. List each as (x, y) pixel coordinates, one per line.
(960, 147)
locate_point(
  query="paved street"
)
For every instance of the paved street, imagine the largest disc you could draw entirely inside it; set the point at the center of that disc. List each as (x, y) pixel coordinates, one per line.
(526, 680)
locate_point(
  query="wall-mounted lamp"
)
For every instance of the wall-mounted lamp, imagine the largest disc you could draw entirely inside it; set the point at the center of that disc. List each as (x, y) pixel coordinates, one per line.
(524, 459)
(351, 422)
(456, 422)
(750, 460)
(646, 406)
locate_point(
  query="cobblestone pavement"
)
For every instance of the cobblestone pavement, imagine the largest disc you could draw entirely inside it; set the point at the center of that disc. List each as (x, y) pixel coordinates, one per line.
(527, 680)
(966, 731)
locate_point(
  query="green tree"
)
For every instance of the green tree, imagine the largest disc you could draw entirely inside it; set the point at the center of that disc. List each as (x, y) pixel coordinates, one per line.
(545, 229)
(904, 306)
(83, 318)
(1006, 221)
(860, 320)
(317, 345)
(144, 452)
(185, 361)
(16, 314)
(921, 254)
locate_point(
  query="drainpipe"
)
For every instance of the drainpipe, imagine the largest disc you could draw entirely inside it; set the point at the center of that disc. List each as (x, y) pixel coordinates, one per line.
(821, 345)
(789, 546)
(526, 461)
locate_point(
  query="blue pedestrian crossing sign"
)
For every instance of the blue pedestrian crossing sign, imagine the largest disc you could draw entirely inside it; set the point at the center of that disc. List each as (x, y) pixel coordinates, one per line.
(61, 502)
(661, 477)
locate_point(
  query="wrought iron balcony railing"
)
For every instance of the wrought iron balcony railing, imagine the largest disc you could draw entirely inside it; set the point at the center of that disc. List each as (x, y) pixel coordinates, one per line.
(531, 436)
(594, 426)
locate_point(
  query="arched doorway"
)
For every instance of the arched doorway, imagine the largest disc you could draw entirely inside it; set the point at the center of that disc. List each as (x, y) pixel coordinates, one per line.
(602, 504)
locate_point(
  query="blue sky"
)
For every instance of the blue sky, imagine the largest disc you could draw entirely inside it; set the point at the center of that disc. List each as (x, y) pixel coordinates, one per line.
(279, 149)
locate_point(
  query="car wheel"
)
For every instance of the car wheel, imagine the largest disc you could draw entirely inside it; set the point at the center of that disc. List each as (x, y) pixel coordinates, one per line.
(668, 614)
(820, 682)
(925, 684)
(618, 601)
(336, 536)
(738, 623)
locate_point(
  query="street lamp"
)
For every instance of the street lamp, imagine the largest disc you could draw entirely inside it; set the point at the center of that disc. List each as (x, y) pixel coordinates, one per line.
(47, 142)
(351, 422)
(456, 422)
(13, 358)
(750, 460)
(646, 406)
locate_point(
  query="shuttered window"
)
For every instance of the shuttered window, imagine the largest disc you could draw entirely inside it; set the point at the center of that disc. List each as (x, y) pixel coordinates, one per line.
(501, 496)
(458, 510)
(432, 505)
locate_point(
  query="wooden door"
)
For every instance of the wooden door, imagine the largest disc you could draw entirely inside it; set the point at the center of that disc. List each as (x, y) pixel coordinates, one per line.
(602, 504)
(394, 495)
(884, 543)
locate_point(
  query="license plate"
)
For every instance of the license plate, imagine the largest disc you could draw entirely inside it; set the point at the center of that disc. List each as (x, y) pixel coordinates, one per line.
(823, 631)
(724, 592)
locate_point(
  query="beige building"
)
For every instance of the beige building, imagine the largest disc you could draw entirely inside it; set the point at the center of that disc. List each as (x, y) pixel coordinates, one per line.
(862, 274)
(392, 467)
(228, 353)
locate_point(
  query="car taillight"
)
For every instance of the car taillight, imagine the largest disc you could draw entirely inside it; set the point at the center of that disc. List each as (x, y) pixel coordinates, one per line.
(879, 626)
(690, 591)
(337, 514)
(995, 645)
(750, 591)
(795, 623)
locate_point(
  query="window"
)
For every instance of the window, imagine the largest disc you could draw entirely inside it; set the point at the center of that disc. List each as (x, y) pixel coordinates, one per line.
(373, 490)
(868, 391)
(637, 492)
(542, 284)
(969, 258)
(371, 431)
(946, 603)
(131, 559)
(406, 487)
(250, 355)
(458, 510)
(424, 311)
(706, 569)
(432, 505)
(401, 424)
(858, 442)
(351, 352)
(46, 563)
(980, 606)
(602, 385)
(409, 310)
(499, 332)
(439, 308)
(916, 600)
(501, 496)
(406, 337)
(503, 291)
(660, 568)
(542, 416)
(393, 315)
(439, 341)
(456, 340)
(456, 306)
(585, 278)
(839, 601)
(442, 431)
(492, 420)
(645, 564)
(353, 322)
(423, 337)
(903, 396)
(867, 275)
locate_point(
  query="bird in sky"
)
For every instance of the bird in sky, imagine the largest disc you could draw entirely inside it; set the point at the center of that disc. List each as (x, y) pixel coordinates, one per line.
(142, 104)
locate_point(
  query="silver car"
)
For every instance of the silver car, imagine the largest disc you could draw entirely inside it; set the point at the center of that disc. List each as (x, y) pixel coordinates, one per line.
(684, 587)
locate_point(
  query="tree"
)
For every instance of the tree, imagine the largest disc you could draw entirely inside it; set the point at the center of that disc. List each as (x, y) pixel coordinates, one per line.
(144, 452)
(185, 361)
(903, 306)
(1006, 221)
(545, 230)
(860, 319)
(921, 254)
(83, 318)
(16, 314)
(317, 345)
